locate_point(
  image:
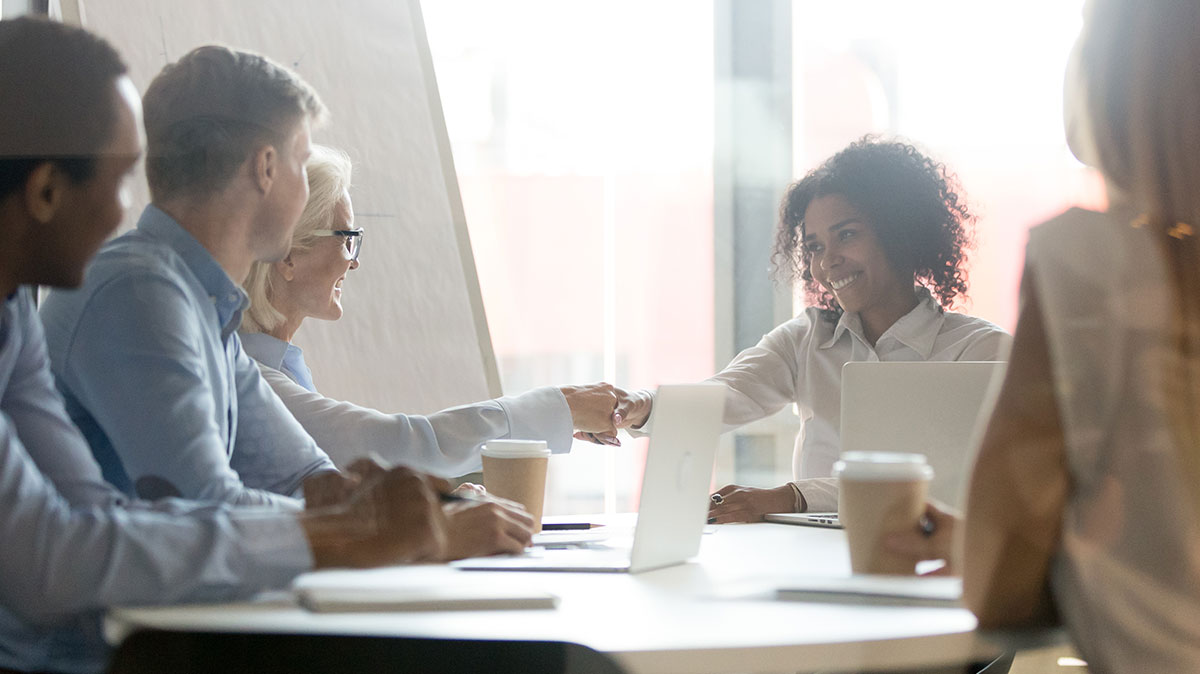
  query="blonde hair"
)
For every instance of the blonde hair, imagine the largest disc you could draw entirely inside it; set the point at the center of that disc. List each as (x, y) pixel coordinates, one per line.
(328, 181)
(1139, 63)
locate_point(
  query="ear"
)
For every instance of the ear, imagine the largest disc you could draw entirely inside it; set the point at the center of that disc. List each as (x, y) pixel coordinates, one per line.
(45, 191)
(265, 168)
(286, 268)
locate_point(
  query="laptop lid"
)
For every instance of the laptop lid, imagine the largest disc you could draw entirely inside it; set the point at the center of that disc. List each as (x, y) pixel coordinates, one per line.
(930, 408)
(673, 507)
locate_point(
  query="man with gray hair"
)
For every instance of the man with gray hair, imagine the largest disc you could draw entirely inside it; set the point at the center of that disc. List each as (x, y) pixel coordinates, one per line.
(146, 352)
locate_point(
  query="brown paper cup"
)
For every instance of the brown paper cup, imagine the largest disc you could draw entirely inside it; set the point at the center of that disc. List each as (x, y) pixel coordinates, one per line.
(516, 470)
(880, 493)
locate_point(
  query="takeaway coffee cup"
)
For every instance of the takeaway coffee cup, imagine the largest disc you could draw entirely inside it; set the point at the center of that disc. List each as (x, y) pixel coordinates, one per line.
(516, 470)
(880, 493)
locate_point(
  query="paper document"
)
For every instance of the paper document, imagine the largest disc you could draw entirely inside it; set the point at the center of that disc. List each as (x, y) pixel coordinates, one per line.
(411, 589)
(899, 590)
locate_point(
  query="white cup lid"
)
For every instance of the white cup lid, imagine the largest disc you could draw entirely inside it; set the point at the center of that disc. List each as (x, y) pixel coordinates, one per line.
(515, 449)
(882, 466)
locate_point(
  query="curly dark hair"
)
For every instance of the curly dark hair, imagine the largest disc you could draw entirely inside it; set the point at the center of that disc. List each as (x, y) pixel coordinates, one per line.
(912, 202)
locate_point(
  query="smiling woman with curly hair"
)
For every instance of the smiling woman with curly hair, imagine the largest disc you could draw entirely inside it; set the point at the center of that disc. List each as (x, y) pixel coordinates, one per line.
(878, 235)
(912, 205)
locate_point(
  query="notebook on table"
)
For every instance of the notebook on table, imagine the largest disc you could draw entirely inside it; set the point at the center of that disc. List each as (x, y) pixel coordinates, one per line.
(674, 497)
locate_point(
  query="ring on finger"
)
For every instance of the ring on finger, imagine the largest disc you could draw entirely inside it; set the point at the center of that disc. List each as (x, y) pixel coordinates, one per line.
(717, 499)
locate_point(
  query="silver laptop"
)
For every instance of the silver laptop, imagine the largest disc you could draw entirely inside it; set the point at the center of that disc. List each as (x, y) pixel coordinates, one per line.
(930, 408)
(674, 502)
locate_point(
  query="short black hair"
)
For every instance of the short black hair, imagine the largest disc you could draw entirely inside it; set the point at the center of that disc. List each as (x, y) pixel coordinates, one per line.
(55, 87)
(911, 201)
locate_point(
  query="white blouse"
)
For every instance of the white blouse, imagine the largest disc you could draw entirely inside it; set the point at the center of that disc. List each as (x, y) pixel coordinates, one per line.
(801, 362)
(1127, 575)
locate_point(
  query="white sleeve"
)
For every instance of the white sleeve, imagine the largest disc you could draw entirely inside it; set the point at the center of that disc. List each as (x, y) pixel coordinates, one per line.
(760, 381)
(444, 443)
(820, 494)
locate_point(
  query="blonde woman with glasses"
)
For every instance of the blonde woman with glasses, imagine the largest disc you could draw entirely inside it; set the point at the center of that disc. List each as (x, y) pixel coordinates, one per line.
(308, 284)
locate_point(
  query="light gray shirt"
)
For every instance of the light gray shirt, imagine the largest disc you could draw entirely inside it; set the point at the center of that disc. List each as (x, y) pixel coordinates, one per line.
(446, 443)
(71, 545)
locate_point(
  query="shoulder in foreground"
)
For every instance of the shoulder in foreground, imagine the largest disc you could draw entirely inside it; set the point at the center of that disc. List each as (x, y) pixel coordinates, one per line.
(1080, 222)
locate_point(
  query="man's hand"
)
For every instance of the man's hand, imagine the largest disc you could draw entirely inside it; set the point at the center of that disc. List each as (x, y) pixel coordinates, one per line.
(598, 410)
(333, 488)
(391, 517)
(486, 527)
(932, 540)
(732, 503)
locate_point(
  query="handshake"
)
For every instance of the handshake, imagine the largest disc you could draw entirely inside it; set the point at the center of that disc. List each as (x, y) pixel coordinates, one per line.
(600, 410)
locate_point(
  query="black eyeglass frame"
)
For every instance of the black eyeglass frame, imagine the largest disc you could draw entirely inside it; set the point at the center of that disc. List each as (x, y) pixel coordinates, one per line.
(354, 239)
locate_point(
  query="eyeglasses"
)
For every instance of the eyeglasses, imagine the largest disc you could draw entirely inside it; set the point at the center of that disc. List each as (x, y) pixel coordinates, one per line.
(353, 237)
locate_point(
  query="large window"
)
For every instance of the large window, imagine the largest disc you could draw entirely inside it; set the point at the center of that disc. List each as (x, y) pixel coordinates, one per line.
(583, 135)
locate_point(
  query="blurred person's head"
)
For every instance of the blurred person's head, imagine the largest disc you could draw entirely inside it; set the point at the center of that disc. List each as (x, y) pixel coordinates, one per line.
(869, 223)
(220, 119)
(1138, 65)
(70, 136)
(1138, 62)
(307, 283)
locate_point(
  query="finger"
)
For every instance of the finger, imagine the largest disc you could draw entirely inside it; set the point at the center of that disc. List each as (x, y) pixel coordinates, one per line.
(438, 484)
(728, 489)
(913, 545)
(609, 439)
(733, 514)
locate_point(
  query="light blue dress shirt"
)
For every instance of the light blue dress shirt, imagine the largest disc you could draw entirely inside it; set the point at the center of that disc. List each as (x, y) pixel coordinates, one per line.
(71, 545)
(283, 356)
(148, 359)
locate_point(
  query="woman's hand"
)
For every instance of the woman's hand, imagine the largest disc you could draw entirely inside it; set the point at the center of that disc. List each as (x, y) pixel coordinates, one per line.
(732, 503)
(933, 539)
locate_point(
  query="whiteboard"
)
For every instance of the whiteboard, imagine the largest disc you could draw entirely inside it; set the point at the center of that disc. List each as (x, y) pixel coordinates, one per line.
(414, 337)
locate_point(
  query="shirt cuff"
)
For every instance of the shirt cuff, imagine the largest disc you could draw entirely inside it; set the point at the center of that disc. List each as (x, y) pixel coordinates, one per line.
(275, 545)
(644, 429)
(540, 414)
(820, 494)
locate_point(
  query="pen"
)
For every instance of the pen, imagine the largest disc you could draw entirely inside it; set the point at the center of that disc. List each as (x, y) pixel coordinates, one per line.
(564, 526)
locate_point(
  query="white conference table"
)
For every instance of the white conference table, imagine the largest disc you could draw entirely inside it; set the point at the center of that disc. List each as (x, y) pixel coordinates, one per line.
(716, 613)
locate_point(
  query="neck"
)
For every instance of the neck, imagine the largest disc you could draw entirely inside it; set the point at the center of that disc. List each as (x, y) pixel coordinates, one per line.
(13, 244)
(221, 226)
(877, 320)
(287, 329)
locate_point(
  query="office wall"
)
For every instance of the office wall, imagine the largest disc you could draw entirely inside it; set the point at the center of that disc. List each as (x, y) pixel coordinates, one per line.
(414, 337)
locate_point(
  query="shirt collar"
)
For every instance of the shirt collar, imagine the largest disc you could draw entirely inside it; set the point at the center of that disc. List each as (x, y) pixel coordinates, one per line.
(227, 297)
(917, 329)
(264, 348)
